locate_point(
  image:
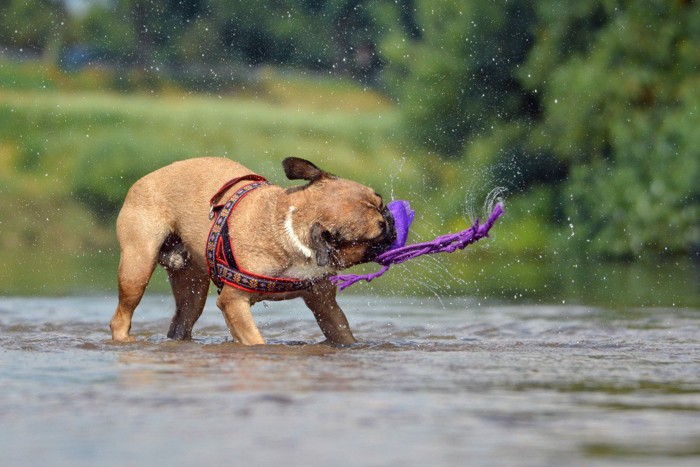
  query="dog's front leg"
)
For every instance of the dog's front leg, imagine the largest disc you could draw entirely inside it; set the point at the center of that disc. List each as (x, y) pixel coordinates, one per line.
(330, 318)
(235, 305)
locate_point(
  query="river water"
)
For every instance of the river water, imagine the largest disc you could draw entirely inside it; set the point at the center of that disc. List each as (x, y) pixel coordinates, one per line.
(433, 382)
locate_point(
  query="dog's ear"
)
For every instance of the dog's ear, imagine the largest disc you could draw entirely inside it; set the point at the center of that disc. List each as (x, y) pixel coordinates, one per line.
(321, 242)
(296, 168)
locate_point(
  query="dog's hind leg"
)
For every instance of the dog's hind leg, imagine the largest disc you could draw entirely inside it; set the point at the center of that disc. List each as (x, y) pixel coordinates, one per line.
(135, 270)
(190, 286)
(140, 243)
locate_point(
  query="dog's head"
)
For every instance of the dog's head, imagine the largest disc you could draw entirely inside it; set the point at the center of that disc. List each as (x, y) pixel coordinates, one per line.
(348, 223)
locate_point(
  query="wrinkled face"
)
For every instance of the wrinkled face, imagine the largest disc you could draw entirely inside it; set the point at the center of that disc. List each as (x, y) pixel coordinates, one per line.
(350, 223)
(354, 225)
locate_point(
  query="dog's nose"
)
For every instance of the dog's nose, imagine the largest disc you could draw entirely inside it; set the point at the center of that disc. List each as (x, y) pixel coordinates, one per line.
(386, 239)
(388, 228)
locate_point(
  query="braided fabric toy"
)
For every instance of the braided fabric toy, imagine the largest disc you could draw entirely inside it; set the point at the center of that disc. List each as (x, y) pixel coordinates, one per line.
(399, 252)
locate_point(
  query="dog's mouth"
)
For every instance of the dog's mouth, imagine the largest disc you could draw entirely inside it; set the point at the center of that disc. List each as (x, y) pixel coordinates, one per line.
(386, 239)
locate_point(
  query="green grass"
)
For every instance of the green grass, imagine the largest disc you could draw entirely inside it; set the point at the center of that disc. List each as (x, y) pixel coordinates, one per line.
(70, 135)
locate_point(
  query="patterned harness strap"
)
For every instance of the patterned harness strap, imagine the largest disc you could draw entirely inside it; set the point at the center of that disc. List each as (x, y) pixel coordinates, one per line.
(223, 269)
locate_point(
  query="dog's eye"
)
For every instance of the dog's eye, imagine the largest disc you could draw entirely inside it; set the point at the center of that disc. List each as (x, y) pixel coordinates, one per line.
(334, 238)
(328, 236)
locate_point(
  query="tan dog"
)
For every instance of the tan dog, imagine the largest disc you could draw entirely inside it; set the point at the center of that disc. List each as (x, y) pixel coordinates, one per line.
(305, 232)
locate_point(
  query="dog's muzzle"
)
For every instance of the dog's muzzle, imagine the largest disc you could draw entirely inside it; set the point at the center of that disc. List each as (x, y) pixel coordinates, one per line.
(386, 240)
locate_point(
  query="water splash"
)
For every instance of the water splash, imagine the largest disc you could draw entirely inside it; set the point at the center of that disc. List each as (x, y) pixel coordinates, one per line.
(495, 196)
(571, 226)
(393, 176)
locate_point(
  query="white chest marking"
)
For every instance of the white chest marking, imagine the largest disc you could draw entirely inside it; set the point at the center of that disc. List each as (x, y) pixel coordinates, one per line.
(293, 237)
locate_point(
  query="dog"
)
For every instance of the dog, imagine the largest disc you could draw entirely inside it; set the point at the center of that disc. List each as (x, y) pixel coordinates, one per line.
(304, 234)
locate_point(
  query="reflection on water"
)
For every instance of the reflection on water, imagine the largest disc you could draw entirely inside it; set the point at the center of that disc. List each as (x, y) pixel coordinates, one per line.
(434, 383)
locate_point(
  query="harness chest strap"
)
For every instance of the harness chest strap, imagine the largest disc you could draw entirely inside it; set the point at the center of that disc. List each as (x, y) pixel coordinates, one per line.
(221, 261)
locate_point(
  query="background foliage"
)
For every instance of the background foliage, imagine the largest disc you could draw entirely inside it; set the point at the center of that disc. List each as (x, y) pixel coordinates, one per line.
(586, 111)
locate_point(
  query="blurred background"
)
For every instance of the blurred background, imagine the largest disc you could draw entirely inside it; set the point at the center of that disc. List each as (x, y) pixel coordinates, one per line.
(584, 115)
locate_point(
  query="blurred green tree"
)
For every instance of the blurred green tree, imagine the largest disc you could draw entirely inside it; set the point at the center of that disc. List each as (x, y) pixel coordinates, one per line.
(33, 26)
(619, 84)
(452, 68)
(334, 35)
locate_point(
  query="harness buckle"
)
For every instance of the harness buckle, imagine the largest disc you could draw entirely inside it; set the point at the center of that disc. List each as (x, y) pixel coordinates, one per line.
(211, 212)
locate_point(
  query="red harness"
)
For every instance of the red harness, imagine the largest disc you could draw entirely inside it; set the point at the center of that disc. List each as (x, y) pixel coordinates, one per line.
(221, 260)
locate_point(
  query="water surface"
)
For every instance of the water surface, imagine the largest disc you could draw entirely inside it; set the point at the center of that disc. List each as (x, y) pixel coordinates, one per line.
(433, 382)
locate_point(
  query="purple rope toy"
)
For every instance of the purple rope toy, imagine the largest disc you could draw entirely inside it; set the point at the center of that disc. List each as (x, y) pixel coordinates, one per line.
(399, 252)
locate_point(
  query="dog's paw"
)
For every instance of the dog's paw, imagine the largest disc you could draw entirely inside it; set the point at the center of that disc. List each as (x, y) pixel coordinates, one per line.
(123, 339)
